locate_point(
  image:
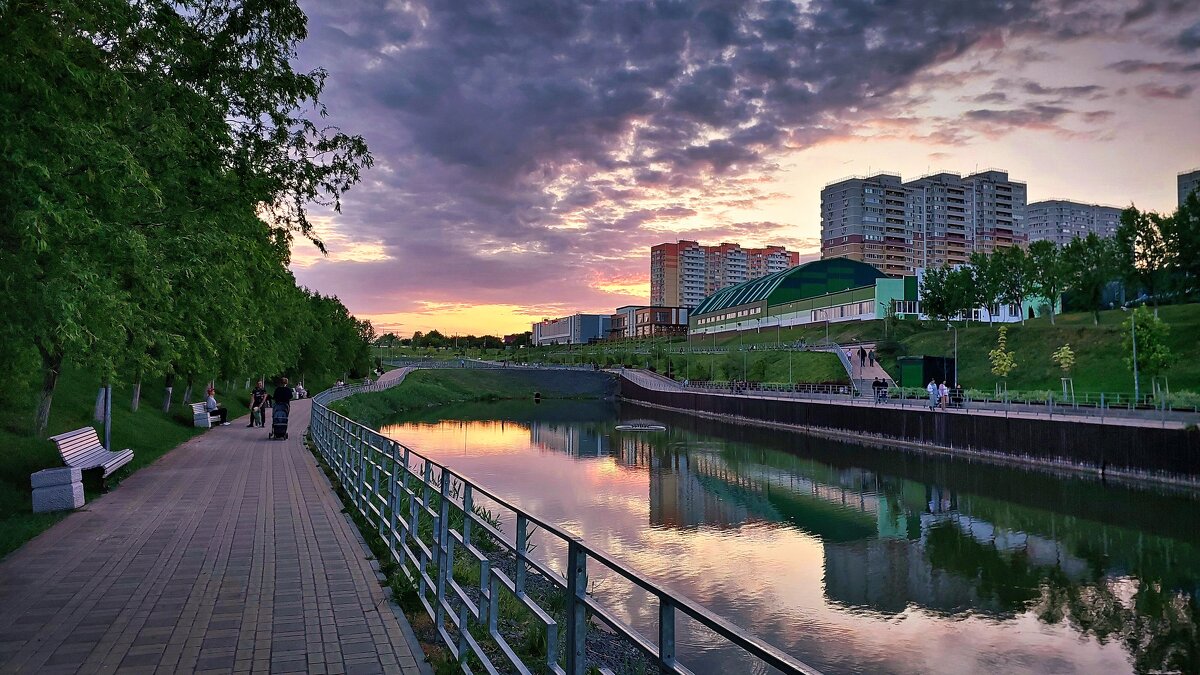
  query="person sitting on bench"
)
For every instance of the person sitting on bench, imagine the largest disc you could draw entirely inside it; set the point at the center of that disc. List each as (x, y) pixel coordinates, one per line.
(213, 409)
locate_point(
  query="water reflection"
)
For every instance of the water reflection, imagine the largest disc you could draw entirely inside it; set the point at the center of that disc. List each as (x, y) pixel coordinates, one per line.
(854, 559)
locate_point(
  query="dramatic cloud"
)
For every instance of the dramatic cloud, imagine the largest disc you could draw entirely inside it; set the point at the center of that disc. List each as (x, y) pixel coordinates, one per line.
(1130, 66)
(1165, 92)
(527, 150)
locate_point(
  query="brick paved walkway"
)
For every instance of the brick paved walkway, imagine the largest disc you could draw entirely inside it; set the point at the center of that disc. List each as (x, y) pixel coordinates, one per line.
(229, 554)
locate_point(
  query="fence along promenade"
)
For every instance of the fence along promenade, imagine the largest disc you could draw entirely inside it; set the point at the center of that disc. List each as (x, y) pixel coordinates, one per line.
(397, 489)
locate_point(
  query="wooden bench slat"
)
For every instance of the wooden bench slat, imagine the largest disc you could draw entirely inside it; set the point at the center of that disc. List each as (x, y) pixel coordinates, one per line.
(81, 449)
(64, 437)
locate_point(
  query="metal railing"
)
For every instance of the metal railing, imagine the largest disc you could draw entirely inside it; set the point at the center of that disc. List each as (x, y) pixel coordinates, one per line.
(403, 494)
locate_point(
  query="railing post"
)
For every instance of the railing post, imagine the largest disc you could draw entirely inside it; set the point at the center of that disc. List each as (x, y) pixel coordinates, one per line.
(576, 606)
(445, 565)
(521, 552)
(666, 634)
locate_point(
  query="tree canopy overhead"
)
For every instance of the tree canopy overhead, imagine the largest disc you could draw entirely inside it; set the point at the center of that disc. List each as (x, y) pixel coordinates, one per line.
(158, 158)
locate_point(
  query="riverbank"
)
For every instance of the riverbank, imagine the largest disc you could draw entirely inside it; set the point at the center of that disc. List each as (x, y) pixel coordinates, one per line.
(1168, 456)
(424, 389)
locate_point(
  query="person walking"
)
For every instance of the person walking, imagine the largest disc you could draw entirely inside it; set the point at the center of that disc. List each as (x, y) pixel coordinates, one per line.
(871, 357)
(283, 395)
(210, 404)
(932, 389)
(862, 358)
(258, 403)
(943, 394)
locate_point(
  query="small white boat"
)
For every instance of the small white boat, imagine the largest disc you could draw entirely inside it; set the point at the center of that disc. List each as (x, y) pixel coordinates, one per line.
(641, 426)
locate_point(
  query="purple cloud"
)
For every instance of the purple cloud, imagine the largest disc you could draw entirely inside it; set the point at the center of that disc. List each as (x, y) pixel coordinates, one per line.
(524, 146)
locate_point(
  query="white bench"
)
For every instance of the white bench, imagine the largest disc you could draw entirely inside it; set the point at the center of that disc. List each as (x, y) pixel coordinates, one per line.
(81, 449)
(202, 417)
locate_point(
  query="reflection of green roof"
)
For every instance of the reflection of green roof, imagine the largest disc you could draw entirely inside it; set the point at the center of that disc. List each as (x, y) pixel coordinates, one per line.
(809, 280)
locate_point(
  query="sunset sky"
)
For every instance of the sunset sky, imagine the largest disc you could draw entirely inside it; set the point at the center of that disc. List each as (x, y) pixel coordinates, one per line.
(528, 154)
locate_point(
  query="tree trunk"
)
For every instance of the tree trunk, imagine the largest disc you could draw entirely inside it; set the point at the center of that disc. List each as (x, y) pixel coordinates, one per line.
(187, 392)
(168, 390)
(137, 393)
(98, 410)
(1052, 314)
(51, 366)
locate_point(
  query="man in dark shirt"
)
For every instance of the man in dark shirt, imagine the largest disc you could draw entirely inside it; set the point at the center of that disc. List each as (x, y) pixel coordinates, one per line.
(258, 405)
(283, 394)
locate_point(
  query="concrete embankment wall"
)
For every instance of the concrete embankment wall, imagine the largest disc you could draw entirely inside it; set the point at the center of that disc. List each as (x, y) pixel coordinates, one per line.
(1167, 455)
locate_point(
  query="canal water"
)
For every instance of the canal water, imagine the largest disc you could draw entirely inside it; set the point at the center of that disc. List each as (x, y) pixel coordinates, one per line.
(853, 559)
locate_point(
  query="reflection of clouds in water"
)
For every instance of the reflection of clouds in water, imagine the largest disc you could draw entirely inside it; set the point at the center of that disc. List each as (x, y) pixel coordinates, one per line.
(846, 568)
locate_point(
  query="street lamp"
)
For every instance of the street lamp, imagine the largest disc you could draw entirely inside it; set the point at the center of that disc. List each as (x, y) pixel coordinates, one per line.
(948, 327)
(1133, 337)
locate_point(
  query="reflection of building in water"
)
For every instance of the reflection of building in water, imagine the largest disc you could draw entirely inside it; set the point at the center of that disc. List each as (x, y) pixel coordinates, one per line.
(573, 439)
(955, 562)
(678, 498)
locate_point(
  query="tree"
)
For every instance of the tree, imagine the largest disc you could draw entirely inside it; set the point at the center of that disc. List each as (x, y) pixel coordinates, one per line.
(1092, 265)
(1003, 360)
(946, 292)
(1181, 236)
(1049, 274)
(1064, 357)
(1153, 354)
(1015, 277)
(1141, 252)
(986, 274)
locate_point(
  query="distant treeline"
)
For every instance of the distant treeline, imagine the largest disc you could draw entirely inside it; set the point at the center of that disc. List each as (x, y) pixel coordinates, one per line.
(434, 339)
(157, 160)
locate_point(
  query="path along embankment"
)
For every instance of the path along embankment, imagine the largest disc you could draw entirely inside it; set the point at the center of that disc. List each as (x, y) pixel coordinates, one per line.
(1117, 449)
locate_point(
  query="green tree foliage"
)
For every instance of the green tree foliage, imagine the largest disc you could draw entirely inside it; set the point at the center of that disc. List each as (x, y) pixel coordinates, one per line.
(1015, 276)
(1064, 357)
(158, 158)
(1049, 273)
(1153, 354)
(986, 281)
(1003, 360)
(1181, 234)
(947, 292)
(1092, 265)
(1141, 252)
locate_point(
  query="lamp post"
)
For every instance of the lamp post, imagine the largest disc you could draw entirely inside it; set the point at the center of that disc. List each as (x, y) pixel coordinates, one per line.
(742, 350)
(1133, 338)
(948, 327)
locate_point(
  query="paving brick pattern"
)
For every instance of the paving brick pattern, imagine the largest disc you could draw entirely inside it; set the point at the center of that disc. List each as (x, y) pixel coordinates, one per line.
(228, 555)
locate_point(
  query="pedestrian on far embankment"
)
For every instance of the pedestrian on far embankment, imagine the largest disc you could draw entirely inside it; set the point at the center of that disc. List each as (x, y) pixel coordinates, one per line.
(862, 358)
(943, 394)
(932, 390)
(871, 358)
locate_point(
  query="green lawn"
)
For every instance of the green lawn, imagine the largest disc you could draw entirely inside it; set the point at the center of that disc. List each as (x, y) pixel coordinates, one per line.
(149, 433)
(429, 388)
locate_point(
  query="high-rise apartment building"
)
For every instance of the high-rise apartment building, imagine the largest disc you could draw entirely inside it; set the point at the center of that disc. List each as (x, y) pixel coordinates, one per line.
(1060, 221)
(684, 273)
(864, 219)
(1189, 182)
(934, 220)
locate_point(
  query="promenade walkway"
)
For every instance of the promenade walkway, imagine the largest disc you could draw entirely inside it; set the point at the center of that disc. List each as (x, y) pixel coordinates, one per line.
(1115, 417)
(230, 554)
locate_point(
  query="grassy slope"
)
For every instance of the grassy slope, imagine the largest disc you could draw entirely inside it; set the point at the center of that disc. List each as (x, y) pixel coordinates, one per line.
(1099, 351)
(426, 388)
(149, 433)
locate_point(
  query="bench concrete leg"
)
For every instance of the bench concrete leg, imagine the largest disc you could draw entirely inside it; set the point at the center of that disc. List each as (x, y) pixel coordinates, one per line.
(57, 497)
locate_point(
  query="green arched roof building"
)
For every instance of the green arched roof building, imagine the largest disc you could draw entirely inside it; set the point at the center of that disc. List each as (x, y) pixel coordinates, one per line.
(810, 280)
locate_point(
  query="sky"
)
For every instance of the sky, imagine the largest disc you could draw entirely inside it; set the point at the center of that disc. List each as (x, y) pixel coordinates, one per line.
(529, 153)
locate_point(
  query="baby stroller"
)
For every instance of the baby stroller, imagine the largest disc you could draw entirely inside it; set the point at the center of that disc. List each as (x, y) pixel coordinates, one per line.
(279, 421)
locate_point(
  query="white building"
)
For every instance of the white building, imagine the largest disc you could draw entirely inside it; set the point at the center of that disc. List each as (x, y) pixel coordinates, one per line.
(577, 329)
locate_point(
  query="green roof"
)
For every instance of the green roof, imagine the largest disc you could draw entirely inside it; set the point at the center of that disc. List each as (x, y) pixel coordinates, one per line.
(809, 280)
